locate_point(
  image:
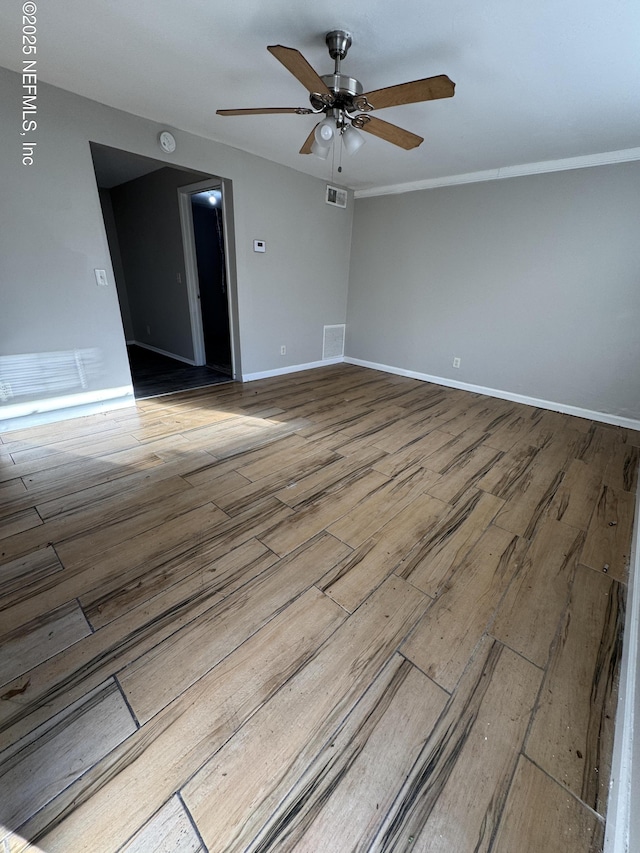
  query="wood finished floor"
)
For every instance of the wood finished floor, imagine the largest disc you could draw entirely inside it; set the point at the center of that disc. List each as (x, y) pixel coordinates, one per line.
(332, 611)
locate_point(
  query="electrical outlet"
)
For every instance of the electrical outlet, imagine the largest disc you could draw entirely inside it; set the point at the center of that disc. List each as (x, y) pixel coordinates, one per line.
(283, 350)
(456, 362)
(179, 278)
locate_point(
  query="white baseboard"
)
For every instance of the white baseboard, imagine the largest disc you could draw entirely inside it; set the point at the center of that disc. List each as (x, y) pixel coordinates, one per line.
(623, 826)
(294, 368)
(163, 352)
(603, 417)
(34, 413)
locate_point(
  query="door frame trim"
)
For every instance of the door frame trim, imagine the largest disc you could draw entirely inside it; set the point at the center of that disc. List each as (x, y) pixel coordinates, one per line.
(191, 269)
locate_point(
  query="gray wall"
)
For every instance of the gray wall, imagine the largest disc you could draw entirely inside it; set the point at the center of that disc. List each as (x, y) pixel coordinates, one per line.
(52, 236)
(116, 261)
(534, 282)
(147, 218)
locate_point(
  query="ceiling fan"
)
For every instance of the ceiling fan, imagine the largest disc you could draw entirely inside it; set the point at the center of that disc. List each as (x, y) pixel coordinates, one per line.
(343, 102)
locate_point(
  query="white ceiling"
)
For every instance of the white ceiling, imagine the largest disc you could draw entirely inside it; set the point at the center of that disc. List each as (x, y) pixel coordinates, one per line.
(536, 81)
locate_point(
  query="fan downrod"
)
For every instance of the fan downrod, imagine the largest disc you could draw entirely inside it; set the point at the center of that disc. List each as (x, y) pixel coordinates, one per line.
(343, 87)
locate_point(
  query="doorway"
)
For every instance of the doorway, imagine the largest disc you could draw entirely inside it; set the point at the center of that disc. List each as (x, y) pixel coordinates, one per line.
(208, 237)
(152, 247)
(206, 216)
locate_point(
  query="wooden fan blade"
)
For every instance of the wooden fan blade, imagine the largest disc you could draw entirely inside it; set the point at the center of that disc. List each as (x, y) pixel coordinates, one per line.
(391, 133)
(264, 111)
(428, 89)
(306, 148)
(295, 62)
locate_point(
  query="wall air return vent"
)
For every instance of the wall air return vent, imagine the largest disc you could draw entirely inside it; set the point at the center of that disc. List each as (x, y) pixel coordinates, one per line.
(333, 341)
(336, 196)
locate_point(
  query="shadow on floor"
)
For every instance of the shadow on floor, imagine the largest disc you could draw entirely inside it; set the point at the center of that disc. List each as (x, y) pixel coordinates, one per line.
(154, 374)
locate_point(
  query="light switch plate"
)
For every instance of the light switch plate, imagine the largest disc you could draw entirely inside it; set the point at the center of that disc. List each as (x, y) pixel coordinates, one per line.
(259, 246)
(101, 277)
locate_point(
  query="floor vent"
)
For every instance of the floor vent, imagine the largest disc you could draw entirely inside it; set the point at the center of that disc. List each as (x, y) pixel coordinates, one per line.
(333, 341)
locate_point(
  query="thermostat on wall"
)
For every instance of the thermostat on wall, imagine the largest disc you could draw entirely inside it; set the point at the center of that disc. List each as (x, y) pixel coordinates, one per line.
(259, 246)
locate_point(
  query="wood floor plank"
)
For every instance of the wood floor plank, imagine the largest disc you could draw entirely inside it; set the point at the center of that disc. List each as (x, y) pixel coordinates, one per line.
(572, 734)
(456, 531)
(20, 579)
(114, 564)
(525, 422)
(264, 754)
(33, 458)
(576, 496)
(41, 457)
(412, 454)
(103, 493)
(262, 463)
(540, 815)
(483, 417)
(530, 612)
(37, 768)
(375, 511)
(65, 477)
(9, 490)
(359, 574)
(30, 644)
(171, 747)
(251, 434)
(351, 783)
(631, 436)
(61, 430)
(505, 477)
(112, 515)
(188, 554)
(462, 474)
(26, 519)
(82, 474)
(168, 831)
(318, 515)
(607, 547)
(529, 499)
(622, 470)
(301, 465)
(598, 447)
(161, 674)
(437, 414)
(330, 479)
(441, 645)
(369, 425)
(401, 434)
(47, 688)
(452, 798)
(454, 453)
(154, 513)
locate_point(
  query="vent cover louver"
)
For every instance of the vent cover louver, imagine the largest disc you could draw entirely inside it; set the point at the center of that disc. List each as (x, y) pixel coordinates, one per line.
(333, 341)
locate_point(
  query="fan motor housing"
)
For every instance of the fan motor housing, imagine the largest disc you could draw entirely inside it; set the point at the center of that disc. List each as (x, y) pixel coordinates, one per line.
(345, 88)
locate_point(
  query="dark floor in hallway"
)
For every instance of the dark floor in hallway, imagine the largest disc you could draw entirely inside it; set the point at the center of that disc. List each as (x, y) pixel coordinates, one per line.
(154, 374)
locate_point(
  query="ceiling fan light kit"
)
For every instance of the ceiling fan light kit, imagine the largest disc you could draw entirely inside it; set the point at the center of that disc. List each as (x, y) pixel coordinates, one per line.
(345, 105)
(326, 131)
(352, 139)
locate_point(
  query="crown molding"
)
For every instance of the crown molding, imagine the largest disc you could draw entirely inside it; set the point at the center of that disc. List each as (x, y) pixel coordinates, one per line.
(584, 162)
